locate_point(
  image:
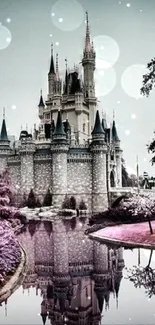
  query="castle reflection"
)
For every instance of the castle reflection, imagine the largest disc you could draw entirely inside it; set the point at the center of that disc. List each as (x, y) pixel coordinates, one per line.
(75, 275)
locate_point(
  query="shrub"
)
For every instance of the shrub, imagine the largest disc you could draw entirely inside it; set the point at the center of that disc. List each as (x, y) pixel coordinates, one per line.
(82, 205)
(72, 203)
(31, 201)
(47, 199)
(66, 202)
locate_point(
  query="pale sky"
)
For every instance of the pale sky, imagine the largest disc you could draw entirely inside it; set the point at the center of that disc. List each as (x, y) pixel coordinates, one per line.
(123, 33)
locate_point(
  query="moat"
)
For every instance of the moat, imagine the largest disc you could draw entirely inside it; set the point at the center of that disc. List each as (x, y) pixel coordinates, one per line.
(77, 281)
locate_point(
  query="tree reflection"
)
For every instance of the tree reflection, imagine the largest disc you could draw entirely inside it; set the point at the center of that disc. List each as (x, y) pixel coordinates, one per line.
(143, 277)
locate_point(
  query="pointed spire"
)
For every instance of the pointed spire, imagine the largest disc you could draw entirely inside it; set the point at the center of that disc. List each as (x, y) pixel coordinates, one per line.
(41, 102)
(104, 122)
(66, 79)
(87, 38)
(59, 130)
(97, 127)
(52, 70)
(4, 136)
(57, 67)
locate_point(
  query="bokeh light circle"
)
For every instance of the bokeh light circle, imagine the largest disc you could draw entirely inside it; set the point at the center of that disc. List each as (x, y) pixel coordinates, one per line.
(107, 51)
(67, 15)
(105, 81)
(131, 80)
(5, 37)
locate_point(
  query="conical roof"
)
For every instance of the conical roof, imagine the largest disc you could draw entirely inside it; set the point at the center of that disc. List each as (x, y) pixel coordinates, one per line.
(114, 132)
(59, 129)
(4, 136)
(52, 69)
(104, 124)
(98, 129)
(100, 298)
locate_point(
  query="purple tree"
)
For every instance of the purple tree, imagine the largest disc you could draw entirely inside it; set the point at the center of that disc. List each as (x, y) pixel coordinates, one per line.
(10, 252)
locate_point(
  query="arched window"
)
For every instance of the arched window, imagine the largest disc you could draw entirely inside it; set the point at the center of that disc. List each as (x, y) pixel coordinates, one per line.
(112, 179)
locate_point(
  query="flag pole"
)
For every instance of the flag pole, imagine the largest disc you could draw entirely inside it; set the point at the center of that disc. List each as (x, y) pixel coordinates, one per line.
(138, 189)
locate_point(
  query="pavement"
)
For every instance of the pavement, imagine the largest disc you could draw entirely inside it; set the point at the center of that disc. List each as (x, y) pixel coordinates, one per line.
(127, 235)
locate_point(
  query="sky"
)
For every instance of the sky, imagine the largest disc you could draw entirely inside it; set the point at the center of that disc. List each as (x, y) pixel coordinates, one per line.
(123, 34)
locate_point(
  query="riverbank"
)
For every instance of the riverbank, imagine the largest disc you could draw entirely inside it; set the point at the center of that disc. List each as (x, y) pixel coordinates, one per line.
(127, 235)
(14, 281)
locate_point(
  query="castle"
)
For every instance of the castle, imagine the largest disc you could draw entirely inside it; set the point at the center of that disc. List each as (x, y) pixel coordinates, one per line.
(73, 152)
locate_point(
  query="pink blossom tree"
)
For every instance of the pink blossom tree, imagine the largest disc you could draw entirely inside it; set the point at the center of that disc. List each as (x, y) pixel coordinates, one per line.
(9, 247)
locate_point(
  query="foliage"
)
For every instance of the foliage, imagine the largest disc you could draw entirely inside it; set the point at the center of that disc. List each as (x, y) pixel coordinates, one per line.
(82, 205)
(47, 199)
(31, 201)
(66, 202)
(148, 79)
(72, 203)
(128, 180)
(9, 250)
(130, 210)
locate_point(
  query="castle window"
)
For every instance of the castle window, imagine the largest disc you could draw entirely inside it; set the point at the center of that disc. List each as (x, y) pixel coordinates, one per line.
(84, 127)
(47, 116)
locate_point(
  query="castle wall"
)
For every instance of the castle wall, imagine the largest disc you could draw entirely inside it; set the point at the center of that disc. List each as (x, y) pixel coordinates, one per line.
(15, 172)
(42, 176)
(79, 177)
(27, 173)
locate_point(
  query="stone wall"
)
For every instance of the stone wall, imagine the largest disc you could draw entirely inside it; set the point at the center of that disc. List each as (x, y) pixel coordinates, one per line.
(79, 179)
(42, 176)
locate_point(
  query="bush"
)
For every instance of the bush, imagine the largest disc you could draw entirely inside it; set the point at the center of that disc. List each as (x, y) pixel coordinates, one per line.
(82, 205)
(31, 201)
(66, 202)
(47, 199)
(72, 203)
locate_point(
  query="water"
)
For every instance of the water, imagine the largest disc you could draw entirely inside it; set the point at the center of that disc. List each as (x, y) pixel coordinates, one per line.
(83, 279)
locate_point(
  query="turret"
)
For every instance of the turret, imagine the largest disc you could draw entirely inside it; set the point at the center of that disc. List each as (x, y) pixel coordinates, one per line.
(88, 63)
(118, 154)
(59, 148)
(41, 106)
(99, 150)
(5, 149)
(26, 151)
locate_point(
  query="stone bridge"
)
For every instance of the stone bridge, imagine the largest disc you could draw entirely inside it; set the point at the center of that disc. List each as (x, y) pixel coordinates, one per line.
(116, 192)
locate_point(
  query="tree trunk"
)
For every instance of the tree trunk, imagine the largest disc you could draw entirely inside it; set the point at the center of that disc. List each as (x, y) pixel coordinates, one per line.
(150, 226)
(151, 252)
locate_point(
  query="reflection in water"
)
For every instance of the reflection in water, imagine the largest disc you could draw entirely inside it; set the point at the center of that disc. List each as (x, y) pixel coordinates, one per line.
(143, 276)
(74, 275)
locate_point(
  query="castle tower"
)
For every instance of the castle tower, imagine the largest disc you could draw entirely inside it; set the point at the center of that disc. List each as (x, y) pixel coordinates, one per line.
(118, 155)
(59, 150)
(26, 151)
(88, 63)
(99, 150)
(5, 149)
(41, 106)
